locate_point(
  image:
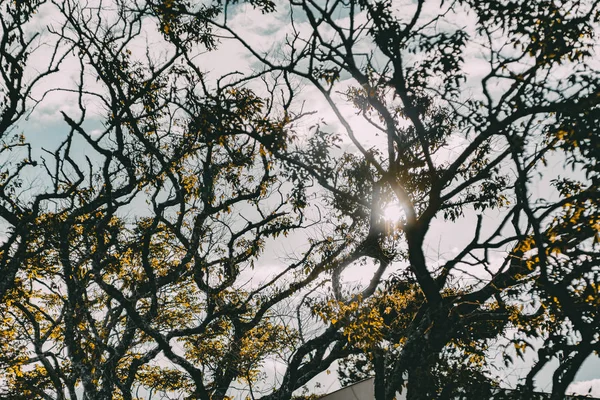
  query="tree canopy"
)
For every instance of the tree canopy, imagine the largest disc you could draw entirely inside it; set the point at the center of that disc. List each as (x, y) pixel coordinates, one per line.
(175, 231)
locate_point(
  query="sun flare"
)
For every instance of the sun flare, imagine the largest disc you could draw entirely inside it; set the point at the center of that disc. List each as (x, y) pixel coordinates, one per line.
(393, 213)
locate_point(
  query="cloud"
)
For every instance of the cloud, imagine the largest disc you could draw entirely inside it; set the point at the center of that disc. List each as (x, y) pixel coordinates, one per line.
(96, 133)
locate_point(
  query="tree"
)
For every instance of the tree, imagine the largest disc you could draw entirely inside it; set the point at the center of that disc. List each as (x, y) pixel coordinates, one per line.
(455, 144)
(129, 244)
(122, 273)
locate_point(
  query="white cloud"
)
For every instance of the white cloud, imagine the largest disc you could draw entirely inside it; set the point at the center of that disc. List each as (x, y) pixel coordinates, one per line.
(96, 133)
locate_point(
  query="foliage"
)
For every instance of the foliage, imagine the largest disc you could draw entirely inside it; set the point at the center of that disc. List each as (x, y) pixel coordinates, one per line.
(458, 143)
(132, 235)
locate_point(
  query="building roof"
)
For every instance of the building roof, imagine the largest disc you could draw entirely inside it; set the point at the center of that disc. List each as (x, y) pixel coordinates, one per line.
(364, 390)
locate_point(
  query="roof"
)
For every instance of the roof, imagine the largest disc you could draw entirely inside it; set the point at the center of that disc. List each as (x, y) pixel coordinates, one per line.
(364, 390)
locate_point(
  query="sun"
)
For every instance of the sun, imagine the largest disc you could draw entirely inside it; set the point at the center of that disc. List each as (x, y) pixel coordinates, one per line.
(393, 213)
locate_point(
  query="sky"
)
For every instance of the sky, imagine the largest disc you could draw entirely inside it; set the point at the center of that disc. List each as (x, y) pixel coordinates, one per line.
(445, 238)
(45, 128)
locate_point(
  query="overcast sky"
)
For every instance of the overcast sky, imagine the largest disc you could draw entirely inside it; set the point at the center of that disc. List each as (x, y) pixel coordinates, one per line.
(45, 129)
